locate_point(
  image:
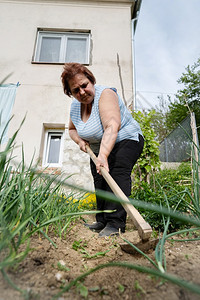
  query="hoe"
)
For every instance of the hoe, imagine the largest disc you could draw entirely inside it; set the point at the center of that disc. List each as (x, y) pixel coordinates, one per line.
(144, 229)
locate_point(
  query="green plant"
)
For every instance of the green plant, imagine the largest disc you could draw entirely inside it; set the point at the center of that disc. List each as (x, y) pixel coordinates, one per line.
(30, 201)
(187, 98)
(138, 287)
(169, 277)
(121, 288)
(23, 205)
(158, 268)
(175, 184)
(82, 289)
(149, 161)
(62, 267)
(80, 245)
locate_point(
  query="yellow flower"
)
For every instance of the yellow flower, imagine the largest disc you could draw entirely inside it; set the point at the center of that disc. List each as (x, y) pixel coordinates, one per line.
(88, 202)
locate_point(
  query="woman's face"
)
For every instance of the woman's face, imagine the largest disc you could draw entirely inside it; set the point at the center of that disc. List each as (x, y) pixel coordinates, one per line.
(82, 89)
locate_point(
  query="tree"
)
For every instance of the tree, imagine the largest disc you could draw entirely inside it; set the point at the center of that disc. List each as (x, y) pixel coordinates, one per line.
(187, 98)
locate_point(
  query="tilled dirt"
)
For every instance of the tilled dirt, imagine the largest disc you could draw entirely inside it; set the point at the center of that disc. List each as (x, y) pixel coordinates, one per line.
(46, 269)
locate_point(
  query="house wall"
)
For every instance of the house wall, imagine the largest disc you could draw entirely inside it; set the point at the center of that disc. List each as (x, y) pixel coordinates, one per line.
(40, 96)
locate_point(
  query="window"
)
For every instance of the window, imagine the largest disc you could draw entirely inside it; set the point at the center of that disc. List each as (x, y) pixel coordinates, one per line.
(62, 47)
(53, 148)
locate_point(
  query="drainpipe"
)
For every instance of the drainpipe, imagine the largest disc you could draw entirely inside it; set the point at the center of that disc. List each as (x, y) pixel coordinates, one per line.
(134, 24)
(133, 65)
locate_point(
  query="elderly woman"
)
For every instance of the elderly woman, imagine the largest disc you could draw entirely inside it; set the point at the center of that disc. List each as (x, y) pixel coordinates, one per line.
(98, 117)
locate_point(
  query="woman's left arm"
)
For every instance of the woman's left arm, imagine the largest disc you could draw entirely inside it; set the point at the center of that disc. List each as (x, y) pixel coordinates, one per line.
(110, 117)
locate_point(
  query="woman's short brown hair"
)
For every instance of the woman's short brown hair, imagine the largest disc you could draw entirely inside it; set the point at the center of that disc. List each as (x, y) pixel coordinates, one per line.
(72, 69)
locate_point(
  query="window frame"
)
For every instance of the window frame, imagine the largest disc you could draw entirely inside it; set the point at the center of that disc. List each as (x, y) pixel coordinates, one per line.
(64, 35)
(47, 139)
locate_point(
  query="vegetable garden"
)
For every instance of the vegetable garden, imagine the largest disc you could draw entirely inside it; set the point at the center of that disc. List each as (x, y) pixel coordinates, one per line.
(47, 253)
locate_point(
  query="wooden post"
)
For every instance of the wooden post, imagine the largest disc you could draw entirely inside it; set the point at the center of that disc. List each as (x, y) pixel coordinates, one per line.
(194, 136)
(195, 142)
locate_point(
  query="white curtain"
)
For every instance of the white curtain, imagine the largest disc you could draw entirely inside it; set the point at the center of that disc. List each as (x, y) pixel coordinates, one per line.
(7, 99)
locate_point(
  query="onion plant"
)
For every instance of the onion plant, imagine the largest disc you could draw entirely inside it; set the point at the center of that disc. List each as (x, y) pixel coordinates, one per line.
(191, 220)
(30, 201)
(158, 268)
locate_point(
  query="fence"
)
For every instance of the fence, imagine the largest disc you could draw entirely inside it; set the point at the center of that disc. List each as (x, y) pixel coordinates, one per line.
(176, 147)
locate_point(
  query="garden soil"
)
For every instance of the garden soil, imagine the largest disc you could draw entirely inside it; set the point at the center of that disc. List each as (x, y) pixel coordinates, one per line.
(47, 269)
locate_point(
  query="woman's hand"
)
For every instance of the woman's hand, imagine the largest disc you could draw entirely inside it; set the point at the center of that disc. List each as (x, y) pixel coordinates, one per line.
(102, 161)
(82, 145)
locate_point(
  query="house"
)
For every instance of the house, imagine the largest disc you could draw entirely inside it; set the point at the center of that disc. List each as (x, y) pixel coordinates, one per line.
(37, 37)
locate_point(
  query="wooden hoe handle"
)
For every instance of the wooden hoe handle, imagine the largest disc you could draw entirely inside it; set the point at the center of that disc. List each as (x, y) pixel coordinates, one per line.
(144, 229)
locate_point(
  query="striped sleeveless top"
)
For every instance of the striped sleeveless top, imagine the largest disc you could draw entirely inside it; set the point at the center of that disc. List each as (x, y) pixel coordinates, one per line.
(92, 130)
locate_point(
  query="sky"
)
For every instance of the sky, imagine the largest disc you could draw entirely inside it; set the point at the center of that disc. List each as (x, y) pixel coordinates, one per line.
(167, 40)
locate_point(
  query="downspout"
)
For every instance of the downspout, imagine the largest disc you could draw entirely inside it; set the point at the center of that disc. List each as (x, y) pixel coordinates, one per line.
(133, 65)
(134, 24)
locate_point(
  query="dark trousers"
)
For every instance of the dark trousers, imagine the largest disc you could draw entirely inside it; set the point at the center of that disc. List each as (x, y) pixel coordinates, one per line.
(121, 161)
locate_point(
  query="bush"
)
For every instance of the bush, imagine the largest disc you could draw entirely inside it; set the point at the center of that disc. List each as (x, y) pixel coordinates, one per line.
(169, 184)
(149, 161)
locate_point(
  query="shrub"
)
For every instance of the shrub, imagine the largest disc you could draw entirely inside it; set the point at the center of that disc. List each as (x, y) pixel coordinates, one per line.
(169, 184)
(149, 161)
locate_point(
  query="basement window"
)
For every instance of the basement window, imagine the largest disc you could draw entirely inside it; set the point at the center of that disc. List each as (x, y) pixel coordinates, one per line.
(62, 47)
(53, 148)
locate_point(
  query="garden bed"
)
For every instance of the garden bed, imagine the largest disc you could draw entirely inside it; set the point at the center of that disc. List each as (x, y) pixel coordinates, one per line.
(46, 269)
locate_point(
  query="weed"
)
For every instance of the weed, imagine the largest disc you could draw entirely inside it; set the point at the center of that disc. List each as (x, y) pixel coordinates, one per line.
(94, 289)
(82, 290)
(84, 268)
(121, 288)
(104, 291)
(62, 267)
(77, 245)
(96, 255)
(187, 256)
(80, 245)
(138, 287)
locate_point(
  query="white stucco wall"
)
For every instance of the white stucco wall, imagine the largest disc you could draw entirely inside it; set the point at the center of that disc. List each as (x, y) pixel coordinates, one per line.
(40, 96)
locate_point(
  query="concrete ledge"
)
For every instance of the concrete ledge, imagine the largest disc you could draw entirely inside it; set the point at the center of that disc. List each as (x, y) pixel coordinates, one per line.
(170, 165)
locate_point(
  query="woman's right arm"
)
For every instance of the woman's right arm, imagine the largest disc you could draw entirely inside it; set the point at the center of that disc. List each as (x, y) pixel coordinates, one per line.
(75, 137)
